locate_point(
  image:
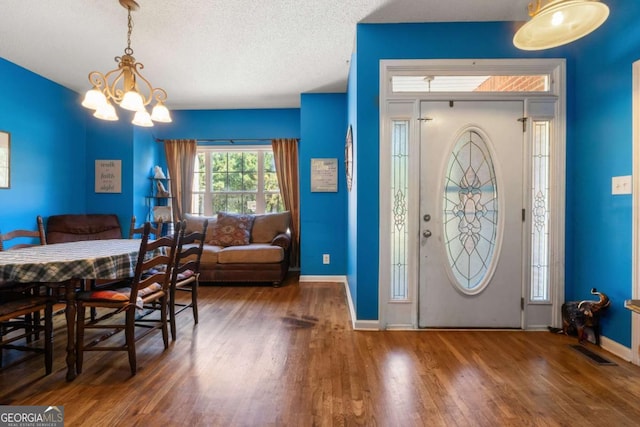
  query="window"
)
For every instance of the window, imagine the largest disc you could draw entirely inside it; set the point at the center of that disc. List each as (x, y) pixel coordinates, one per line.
(541, 213)
(241, 180)
(493, 83)
(399, 195)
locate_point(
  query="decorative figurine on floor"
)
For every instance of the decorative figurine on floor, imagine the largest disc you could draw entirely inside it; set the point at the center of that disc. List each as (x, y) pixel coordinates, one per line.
(576, 316)
(158, 174)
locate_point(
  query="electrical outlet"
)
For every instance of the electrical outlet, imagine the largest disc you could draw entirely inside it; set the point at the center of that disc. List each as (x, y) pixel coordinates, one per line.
(621, 184)
(326, 259)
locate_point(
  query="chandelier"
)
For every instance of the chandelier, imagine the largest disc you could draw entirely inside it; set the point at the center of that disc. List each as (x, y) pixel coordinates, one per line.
(557, 22)
(126, 87)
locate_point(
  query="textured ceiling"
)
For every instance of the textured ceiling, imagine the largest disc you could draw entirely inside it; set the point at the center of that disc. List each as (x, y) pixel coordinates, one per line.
(217, 54)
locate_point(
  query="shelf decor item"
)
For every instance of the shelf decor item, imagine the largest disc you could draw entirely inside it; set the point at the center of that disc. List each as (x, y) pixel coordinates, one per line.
(161, 191)
(162, 213)
(158, 174)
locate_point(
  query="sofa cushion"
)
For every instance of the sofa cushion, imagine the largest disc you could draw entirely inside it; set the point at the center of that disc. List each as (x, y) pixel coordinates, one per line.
(209, 255)
(232, 229)
(255, 253)
(268, 226)
(196, 222)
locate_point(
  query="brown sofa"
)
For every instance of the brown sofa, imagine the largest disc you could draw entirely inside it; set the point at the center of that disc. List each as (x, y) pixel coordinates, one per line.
(75, 227)
(261, 254)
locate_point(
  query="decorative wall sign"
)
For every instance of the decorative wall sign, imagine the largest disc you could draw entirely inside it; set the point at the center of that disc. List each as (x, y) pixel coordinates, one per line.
(108, 176)
(324, 175)
(5, 159)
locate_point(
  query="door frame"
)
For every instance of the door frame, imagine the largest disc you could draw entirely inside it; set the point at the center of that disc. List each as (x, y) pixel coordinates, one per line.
(635, 249)
(404, 314)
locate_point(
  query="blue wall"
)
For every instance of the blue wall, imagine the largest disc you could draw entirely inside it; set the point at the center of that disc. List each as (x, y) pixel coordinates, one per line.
(600, 240)
(405, 41)
(320, 125)
(111, 141)
(47, 148)
(240, 124)
(598, 145)
(323, 217)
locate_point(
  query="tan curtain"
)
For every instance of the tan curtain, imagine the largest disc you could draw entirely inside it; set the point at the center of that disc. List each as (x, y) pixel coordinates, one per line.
(285, 152)
(181, 158)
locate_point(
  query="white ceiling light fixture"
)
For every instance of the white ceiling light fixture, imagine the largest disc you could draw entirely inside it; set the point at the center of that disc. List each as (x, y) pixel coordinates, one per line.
(126, 87)
(557, 22)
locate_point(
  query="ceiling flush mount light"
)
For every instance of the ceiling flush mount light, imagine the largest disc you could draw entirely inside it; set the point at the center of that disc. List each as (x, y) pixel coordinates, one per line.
(126, 87)
(557, 22)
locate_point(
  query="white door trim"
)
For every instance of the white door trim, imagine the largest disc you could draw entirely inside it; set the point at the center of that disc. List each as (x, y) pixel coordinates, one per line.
(635, 251)
(556, 69)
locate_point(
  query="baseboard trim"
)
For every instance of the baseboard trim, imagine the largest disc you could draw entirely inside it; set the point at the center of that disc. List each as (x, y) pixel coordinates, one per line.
(366, 325)
(616, 348)
(324, 279)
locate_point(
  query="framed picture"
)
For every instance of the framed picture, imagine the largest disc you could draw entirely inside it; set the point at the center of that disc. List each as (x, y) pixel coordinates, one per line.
(5, 159)
(348, 158)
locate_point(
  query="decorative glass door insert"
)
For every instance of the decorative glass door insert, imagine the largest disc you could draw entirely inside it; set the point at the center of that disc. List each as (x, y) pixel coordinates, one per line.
(470, 211)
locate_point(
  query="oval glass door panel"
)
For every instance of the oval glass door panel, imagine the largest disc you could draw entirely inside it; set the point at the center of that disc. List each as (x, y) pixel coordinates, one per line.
(470, 212)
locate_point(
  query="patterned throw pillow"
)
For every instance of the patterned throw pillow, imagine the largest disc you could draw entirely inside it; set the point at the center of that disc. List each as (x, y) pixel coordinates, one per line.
(232, 229)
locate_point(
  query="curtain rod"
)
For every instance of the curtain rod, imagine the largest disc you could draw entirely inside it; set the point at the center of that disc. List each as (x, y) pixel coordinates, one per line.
(230, 140)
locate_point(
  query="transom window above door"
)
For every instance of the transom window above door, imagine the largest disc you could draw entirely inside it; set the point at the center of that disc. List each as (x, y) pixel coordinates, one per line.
(469, 83)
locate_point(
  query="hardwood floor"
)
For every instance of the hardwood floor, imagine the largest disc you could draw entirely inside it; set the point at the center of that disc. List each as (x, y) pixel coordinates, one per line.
(264, 356)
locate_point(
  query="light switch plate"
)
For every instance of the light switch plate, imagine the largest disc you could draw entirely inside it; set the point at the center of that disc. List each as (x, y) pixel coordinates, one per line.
(621, 184)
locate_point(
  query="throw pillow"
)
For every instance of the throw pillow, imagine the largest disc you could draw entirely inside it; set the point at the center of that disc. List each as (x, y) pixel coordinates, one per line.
(232, 229)
(196, 222)
(268, 226)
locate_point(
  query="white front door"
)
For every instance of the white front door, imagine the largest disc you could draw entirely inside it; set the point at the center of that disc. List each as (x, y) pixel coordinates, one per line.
(471, 207)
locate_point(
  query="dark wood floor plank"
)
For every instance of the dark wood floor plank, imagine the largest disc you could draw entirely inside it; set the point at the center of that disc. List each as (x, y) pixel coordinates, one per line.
(264, 356)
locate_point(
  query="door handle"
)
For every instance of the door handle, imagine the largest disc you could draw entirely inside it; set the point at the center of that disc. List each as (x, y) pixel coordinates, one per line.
(426, 233)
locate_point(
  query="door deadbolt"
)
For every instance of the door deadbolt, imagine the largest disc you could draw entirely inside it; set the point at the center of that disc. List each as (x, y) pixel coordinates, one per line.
(426, 233)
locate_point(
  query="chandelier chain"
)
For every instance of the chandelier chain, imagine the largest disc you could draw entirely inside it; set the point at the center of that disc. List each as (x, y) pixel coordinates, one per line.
(128, 50)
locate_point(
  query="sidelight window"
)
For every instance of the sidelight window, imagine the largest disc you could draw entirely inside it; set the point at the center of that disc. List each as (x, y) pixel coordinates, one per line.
(399, 197)
(540, 211)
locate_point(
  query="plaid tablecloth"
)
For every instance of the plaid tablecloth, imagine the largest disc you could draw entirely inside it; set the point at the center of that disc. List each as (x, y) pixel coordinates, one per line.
(91, 259)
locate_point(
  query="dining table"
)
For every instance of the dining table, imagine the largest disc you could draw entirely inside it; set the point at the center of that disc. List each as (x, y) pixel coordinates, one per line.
(69, 265)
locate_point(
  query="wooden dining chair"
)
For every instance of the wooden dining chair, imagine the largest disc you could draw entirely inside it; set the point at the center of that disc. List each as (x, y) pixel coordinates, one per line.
(17, 239)
(26, 237)
(21, 304)
(135, 231)
(15, 309)
(150, 285)
(186, 273)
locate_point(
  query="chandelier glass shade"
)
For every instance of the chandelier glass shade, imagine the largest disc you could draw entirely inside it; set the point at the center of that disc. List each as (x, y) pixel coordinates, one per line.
(558, 22)
(126, 87)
